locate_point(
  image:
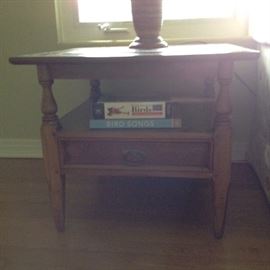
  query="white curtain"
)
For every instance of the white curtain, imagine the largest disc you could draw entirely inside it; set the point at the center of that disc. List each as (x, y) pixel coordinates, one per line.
(260, 20)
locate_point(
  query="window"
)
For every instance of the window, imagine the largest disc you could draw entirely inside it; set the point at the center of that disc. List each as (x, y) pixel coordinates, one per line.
(106, 21)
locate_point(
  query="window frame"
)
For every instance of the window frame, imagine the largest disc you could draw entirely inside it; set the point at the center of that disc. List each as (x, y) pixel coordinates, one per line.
(71, 31)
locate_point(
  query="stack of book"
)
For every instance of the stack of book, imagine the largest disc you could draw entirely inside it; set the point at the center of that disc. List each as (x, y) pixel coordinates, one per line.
(133, 114)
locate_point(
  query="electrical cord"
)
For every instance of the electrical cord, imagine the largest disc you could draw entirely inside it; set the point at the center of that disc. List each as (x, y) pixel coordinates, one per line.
(245, 84)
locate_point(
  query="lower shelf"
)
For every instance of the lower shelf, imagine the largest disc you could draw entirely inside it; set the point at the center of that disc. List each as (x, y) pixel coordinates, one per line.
(142, 171)
(135, 152)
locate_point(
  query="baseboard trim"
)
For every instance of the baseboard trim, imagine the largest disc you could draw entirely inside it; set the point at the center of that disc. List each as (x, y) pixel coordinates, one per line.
(31, 148)
(20, 148)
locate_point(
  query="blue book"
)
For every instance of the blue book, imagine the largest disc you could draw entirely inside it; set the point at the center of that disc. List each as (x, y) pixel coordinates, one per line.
(135, 123)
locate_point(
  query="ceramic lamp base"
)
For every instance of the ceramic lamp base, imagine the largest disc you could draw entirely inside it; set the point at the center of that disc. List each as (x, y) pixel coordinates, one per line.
(148, 43)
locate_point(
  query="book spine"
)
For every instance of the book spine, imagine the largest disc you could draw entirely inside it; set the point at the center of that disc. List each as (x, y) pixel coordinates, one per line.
(132, 110)
(135, 123)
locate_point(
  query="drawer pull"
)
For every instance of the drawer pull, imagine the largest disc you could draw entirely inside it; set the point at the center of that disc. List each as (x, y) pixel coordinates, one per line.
(133, 157)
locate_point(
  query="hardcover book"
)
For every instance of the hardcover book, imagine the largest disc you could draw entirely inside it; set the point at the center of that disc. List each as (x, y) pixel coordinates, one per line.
(132, 110)
(135, 123)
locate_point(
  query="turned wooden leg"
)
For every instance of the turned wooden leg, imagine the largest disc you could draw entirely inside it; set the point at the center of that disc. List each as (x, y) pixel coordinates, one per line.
(50, 125)
(222, 147)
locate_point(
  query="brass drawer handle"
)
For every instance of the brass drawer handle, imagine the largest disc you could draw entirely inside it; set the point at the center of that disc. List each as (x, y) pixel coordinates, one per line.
(133, 157)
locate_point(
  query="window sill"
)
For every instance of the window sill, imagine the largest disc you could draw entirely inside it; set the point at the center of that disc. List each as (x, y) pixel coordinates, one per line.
(244, 41)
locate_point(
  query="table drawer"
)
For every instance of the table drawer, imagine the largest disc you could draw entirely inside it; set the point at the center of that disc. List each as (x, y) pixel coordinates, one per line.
(136, 153)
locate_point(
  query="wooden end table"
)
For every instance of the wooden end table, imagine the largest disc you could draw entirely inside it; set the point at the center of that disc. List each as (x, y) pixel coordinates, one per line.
(166, 152)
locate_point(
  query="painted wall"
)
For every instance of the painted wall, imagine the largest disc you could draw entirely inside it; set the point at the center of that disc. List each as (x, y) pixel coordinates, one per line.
(259, 154)
(29, 26)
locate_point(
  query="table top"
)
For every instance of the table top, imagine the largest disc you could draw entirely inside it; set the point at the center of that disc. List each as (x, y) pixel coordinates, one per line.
(185, 52)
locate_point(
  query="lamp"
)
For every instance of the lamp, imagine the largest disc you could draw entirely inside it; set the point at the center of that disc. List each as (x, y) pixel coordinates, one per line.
(147, 21)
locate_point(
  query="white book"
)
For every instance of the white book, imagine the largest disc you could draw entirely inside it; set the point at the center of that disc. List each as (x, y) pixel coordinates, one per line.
(134, 110)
